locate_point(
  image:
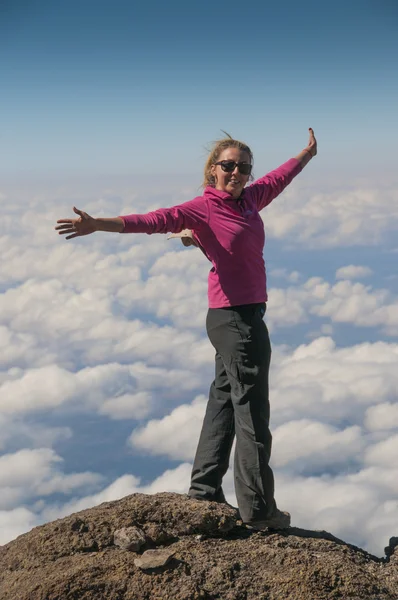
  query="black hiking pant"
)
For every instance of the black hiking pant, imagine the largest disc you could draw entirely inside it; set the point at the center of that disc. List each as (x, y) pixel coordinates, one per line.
(238, 405)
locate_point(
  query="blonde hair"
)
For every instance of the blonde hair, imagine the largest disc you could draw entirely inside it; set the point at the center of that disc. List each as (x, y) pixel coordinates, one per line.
(215, 151)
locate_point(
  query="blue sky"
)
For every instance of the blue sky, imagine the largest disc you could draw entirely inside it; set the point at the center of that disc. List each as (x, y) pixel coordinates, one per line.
(126, 88)
(105, 365)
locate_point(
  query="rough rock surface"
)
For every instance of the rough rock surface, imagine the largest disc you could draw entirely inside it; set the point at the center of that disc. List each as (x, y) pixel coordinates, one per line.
(152, 559)
(129, 538)
(214, 557)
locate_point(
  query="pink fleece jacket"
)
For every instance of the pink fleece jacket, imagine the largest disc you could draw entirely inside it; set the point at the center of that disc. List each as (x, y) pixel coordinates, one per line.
(230, 232)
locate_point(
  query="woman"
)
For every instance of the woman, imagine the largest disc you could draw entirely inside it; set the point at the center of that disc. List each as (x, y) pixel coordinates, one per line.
(225, 223)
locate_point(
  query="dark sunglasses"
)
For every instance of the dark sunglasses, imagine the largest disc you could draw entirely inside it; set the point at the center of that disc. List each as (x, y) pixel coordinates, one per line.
(229, 165)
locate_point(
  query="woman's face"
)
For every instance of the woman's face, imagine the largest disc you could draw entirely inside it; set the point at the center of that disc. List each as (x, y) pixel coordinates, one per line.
(234, 182)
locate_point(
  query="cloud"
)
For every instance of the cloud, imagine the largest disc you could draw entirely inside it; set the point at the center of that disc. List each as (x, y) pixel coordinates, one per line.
(36, 389)
(174, 436)
(382, 417)
(176, 289)
(328, 219)
(115, 325)
(22, 348)
(118, 391)
(353, 507)
(133, 406)
(305, 445)
(348, 302)
(320, 396)
(15, 522)
(342, 302)
(172, 480)
(353, 272)
(359, 507)
(27, 474)
(382, 453)
(291, 277)
(18, 432)
(94, 327)
(333, 385)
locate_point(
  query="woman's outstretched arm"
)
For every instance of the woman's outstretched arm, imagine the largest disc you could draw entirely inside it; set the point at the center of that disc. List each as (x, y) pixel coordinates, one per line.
(190, 214)
(85, 224)
(265, 189)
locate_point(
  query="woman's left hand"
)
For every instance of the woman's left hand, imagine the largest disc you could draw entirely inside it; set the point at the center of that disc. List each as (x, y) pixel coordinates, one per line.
(312, 144)
(186, 237)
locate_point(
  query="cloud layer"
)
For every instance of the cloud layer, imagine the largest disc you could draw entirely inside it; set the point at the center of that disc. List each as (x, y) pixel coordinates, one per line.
(113, 326)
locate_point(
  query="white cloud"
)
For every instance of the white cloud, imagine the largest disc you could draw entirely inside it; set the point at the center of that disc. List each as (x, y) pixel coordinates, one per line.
(383, 416)
(134, 406)
(333, 219)
(348, 302)
(37, 389)
(172, 480)
(17, 431)
(285, 308)
(383, 453)
(122, 486)
(292, 277)
(18, 348)
(119, 391)
(31, 473)
(352, 507)
(176, 435)
(304, 445)
(353, 272)
(342, 302)
(94, 326)
(332, 385)
(176, 289)
(319, 396)
(360, 507)
(79, 325)
(15, 522)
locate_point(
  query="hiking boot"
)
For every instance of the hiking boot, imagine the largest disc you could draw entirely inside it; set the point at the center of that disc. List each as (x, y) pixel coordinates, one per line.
(278, 520)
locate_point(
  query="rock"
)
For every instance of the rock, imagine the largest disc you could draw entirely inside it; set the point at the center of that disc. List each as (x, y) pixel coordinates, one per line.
(75, 558)
(153, 559)
(392, 545)
(129, 538)
(157, 533)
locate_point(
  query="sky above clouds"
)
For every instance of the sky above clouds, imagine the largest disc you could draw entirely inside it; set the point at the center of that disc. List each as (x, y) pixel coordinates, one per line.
(104, 361)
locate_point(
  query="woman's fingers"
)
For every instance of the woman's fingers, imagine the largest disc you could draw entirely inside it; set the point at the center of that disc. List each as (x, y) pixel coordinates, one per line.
(65, 225)
(83, 215)
(69, 230)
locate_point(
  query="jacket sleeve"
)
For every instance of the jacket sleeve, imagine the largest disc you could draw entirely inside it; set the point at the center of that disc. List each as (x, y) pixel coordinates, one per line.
(189, 215)
(264, 190)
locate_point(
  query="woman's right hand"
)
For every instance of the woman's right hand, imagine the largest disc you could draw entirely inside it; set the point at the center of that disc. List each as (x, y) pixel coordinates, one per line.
(84, 225)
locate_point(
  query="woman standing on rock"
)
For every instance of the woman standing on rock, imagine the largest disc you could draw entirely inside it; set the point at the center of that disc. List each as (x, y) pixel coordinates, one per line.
(226, 224)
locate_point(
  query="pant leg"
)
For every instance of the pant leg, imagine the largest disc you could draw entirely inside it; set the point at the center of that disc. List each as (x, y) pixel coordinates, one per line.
(215, 442)
(241, 337)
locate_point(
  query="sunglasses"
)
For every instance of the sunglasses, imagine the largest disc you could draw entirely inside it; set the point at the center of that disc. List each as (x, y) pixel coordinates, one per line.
(229, 165)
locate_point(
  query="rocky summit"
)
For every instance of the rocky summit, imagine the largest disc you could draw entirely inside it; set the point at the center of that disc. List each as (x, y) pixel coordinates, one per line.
(169, 547)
